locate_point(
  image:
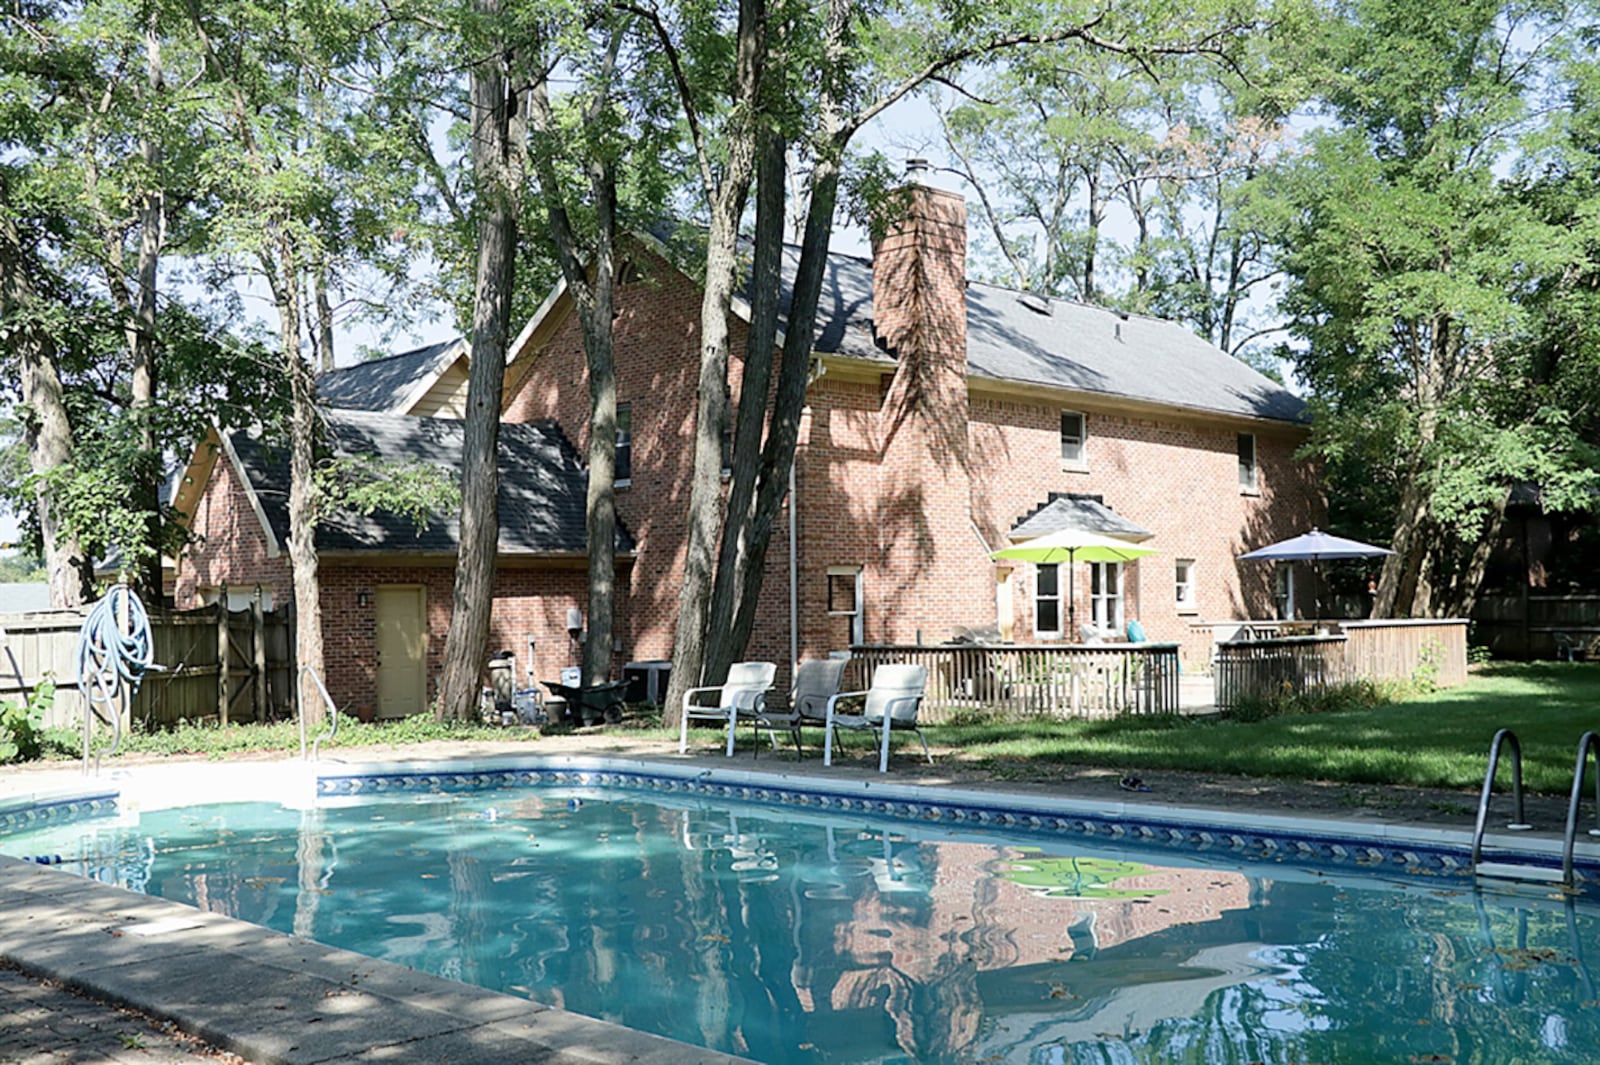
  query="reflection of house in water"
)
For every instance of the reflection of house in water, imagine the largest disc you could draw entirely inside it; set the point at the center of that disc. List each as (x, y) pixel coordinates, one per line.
(1004, 944)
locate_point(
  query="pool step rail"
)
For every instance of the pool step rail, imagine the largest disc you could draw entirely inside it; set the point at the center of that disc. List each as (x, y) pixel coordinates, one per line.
(1504, 738)
(1588, 750)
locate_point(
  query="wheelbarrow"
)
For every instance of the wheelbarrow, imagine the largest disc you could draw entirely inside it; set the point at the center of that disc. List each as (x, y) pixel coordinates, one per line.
(594, 703)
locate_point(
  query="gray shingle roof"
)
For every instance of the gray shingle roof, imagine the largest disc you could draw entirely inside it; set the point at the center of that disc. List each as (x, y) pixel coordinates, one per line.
(383, 384)
(1066, 510)
(1076, 346)
(542, 486)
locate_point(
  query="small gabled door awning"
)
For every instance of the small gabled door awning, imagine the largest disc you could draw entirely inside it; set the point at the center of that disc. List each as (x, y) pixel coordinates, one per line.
(1071, 511)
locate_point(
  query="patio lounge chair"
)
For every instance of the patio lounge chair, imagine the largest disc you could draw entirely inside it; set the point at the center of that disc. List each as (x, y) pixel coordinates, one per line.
(815, 682)
(744, 692)
(892, 701)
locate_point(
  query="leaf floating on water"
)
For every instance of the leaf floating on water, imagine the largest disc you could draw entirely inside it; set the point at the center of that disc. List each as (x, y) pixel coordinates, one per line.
(716, 937)
(1469, 987)
(430, 876)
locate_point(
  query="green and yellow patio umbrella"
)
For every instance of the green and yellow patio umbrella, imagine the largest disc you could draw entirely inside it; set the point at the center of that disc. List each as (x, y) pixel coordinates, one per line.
(1069, 547)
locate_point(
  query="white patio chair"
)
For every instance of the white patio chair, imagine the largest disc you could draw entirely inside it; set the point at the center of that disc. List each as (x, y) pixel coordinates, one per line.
(891, 702)
(745, 691)
(815, 682)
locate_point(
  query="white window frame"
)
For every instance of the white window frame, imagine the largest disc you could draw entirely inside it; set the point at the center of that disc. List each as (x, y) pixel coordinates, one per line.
(1057, 597)
(1283, 591)
(857, 616)
(1249, 471)
(1105, 608)
(1075, 450)
(624, 441)
(1184, 586)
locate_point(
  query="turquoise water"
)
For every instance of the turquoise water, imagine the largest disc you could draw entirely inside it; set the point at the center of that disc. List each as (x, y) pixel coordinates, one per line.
(790, 938)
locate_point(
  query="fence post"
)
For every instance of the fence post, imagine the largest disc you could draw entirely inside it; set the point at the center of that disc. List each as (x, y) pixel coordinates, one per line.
(223, 654)
(258, 648)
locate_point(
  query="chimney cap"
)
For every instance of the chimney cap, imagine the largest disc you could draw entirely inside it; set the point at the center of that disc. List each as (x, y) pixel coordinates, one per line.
(918, 167)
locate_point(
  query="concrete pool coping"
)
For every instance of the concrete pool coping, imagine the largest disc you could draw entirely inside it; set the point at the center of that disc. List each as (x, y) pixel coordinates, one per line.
(276, 998)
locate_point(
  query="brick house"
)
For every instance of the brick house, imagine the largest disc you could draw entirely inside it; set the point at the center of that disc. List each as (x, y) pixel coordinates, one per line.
(945, 419)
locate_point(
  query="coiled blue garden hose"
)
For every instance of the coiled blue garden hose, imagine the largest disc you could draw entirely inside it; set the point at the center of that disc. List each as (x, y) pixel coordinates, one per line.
(114, 651)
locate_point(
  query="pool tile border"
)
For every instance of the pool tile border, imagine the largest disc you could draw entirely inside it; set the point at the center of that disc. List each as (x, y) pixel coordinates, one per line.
(1419, 851)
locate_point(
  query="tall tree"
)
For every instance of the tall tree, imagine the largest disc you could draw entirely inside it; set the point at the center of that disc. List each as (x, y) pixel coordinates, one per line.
(863, 65)
(1410, 262)
(499, 138)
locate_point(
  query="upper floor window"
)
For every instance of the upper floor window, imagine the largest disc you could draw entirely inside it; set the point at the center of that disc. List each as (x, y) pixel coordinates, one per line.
(1248, 481)
(624, 443)
(1073, 437)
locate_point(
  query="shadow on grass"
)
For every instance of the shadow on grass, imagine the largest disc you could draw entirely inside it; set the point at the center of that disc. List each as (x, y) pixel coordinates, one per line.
(1436, 740)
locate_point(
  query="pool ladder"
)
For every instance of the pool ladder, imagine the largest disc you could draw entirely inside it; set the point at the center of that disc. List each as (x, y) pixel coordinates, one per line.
(1588, 747)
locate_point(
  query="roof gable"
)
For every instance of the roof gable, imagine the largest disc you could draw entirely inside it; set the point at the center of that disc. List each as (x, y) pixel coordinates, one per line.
(393, 384)
(543, 486)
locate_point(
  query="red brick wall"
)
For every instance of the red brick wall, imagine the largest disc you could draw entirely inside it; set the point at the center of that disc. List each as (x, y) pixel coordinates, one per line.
(230, 545)
(530, 599)
(657, 349)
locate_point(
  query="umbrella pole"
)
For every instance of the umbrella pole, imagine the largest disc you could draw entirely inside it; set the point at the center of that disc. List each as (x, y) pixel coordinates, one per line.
(1072, 596)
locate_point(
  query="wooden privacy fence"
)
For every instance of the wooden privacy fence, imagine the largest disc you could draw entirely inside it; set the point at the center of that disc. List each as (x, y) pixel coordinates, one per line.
(1525, 624)
(1033, 681)
(1402, 649)
(190, 648)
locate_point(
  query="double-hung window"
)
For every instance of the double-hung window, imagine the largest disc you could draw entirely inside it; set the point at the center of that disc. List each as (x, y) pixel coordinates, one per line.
(844, 599)
(1183, 580)
(1047, 601)
(1105, 595)
(1248, 480)
(1074, 439)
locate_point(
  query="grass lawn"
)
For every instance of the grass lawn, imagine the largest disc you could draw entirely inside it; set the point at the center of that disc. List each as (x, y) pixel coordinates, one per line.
(1437, 740)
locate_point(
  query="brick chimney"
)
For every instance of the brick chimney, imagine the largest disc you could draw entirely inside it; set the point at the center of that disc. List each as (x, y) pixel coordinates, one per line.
(927, 548)
(919, 273)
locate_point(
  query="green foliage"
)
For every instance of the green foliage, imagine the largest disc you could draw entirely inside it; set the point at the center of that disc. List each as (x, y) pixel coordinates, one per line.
(17, 567)
(1355, 695)
(367, 484)
(22, 724)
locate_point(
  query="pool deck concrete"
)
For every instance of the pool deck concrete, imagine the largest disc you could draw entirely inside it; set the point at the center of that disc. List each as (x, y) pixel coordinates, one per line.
(273, 998)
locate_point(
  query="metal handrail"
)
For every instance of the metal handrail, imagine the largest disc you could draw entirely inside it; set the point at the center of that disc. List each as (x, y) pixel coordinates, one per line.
(1587, 743)
(1521, 823)
(333, 714)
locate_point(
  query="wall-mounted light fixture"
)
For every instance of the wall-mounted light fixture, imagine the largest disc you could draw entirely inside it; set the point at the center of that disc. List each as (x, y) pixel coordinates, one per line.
(363, 598)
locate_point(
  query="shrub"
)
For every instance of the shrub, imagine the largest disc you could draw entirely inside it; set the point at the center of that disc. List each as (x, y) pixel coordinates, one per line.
(22, 724)
(1354, 695)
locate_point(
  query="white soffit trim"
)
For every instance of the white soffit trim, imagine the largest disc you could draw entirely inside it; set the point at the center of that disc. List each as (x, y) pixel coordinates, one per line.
(426, 382)
(536, 321)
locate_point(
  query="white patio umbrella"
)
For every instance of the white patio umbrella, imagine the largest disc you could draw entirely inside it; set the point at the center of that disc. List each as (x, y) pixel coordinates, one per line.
(1313, 547)
(1071, 546)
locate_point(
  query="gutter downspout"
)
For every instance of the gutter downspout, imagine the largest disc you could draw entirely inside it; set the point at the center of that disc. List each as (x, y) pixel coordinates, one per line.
(794, 579)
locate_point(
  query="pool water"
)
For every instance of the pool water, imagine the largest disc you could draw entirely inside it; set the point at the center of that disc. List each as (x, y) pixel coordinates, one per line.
(788, 937)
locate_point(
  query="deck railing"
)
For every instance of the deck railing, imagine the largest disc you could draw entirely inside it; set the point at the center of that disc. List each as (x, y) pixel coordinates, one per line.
(1433, 650)
(1058, 680)
(1246, 669)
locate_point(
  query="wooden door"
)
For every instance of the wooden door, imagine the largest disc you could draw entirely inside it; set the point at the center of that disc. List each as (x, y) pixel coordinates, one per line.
(402, 650)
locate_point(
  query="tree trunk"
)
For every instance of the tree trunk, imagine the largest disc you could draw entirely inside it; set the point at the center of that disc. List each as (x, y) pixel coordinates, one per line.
(324, 312)
(302, 488)
(600, 516)
(152, 225)
(765, 273)
(498, 140)
(721, 279)
(46, 427)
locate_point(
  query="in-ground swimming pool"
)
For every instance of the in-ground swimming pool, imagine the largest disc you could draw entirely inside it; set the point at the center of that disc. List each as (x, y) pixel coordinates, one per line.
(790, 937)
